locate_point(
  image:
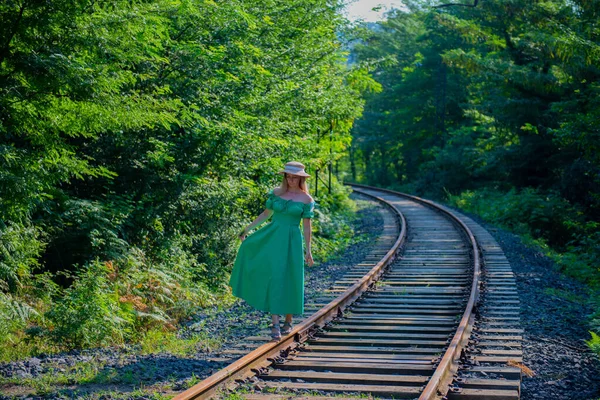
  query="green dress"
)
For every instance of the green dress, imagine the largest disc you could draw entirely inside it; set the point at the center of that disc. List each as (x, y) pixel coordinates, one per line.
(269, 268)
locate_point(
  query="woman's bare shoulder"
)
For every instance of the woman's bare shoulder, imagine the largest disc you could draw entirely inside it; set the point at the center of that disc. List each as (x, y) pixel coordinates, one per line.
(278, 191)
(306, 198)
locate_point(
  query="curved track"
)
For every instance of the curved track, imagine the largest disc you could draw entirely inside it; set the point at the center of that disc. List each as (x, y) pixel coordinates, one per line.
(400, 324)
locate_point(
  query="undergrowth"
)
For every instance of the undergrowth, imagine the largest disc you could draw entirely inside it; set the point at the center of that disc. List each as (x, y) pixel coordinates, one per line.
(551, 223)
(139, 295)
(332, 229)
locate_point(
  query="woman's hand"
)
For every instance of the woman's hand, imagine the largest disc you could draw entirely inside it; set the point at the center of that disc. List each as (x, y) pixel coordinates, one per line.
(308, 259)
(243, 235)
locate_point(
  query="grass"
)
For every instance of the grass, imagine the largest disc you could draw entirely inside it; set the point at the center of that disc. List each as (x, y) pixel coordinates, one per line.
(566, 295)
(17, 346)
(238, 395)
(147, 393)
(193, 380)
(158, 341)
(594, 342)
(82, 373)
(95, 371)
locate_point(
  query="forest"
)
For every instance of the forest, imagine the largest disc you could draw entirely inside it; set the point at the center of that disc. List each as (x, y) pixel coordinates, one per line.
(138, 137)
(493, 109)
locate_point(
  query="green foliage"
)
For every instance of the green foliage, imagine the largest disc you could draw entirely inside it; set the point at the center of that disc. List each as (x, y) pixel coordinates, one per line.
(207, 217)
(20, 249)
(89, 313)
(565, 294)
(529, 212)
(111, 303)
(582, 256)
(332, 225)
(545, 217)
(594, 343)
(136, 138)
(14, 316)
(491, 96)
(83, 230)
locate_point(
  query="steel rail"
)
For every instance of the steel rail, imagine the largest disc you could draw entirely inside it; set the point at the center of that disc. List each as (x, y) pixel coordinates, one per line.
(443, 374)
(258, 358)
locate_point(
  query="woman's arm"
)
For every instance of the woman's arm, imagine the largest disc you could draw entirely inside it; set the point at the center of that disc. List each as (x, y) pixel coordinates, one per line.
(265, 215)
(307, 228)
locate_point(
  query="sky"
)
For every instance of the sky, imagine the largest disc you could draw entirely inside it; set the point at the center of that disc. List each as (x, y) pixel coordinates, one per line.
(362, 9)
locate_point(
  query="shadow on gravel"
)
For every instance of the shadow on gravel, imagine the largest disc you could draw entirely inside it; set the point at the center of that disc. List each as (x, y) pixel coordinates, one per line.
(158, 368)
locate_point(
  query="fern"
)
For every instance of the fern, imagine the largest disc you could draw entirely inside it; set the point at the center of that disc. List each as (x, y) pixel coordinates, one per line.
(594, 343)
(19, 251)
(14, 313)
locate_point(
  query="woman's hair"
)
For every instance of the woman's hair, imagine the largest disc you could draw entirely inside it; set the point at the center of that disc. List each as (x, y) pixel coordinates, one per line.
(284, 186)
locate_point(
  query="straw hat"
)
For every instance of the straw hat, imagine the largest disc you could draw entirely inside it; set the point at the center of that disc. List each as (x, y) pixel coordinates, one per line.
(294, 168)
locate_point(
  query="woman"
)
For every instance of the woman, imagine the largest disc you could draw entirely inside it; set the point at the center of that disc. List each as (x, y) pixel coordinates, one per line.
(269, 268)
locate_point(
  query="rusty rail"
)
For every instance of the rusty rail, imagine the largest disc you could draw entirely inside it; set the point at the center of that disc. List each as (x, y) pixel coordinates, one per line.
(442, 377)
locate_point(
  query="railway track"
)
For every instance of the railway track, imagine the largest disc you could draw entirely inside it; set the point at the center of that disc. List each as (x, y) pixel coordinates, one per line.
(431, 313)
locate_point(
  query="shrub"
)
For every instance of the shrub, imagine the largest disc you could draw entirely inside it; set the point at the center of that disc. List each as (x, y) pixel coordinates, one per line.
(574, 243)
(529, 211)
(206, 218)
(332, 224)
(20, 247)
(89, 313)
(582, 258)
(14, 314)
(159, 292)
